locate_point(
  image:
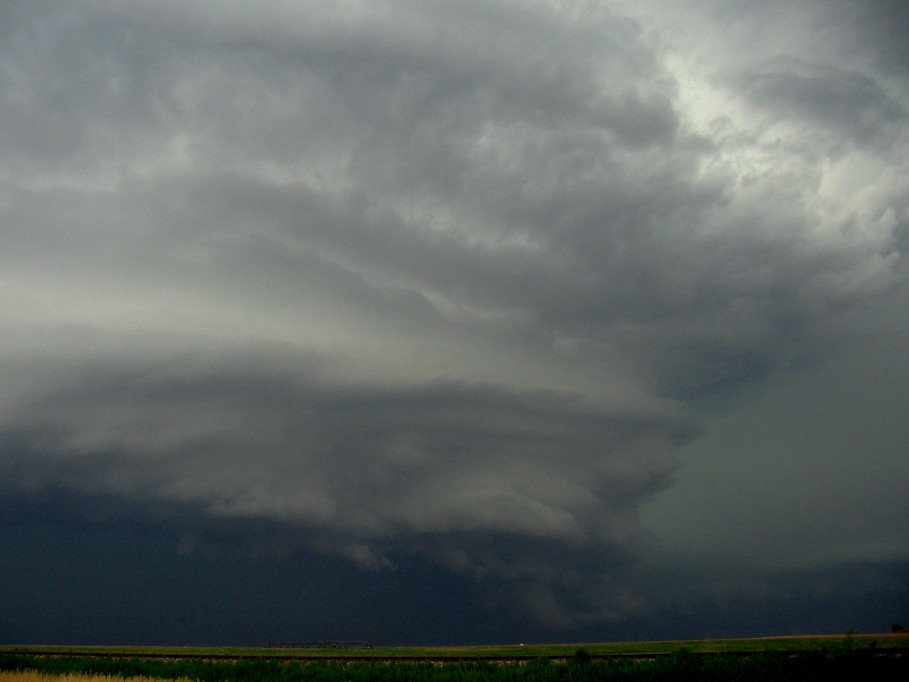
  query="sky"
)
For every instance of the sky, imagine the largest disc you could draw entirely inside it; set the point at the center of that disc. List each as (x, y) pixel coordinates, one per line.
(452, 322)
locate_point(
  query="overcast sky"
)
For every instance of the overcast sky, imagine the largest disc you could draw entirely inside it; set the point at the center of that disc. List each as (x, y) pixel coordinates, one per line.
(427, 322)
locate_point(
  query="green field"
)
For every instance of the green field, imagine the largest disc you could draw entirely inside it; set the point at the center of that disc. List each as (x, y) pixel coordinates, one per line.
(774, 659)
(825, 643)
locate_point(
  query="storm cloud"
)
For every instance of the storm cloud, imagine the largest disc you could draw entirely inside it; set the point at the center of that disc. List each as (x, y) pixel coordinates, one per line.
(489, 285)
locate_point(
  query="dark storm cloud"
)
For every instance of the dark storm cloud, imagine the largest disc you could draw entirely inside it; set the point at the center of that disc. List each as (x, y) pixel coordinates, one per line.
(852, 104)
(483, 479)
(875, 29)
(386, 279)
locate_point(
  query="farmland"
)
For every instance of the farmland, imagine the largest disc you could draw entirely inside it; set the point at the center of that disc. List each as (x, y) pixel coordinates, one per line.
(823, 643)
(869, 657)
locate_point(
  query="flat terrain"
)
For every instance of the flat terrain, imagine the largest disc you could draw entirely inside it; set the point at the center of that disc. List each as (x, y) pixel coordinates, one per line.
(871, 658)
(890, 643)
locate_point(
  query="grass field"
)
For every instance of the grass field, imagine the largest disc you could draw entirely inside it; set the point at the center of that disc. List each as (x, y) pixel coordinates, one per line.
(868, 658)
(33, 676)
(820, 643)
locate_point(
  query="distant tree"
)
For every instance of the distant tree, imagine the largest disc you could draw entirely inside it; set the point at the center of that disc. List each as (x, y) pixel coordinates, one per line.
(896, 627)
(581, 656)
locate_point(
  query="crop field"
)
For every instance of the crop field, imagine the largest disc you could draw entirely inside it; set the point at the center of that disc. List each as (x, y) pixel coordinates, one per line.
(868, 657)
(32, 676)
(797, 644)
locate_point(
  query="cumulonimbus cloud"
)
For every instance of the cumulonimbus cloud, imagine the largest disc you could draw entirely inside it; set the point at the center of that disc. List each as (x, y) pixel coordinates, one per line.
(386, 278)
(477, 477)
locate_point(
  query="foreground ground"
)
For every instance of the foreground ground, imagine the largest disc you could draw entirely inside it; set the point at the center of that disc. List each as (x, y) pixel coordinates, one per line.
(875, 657)
(32, 676)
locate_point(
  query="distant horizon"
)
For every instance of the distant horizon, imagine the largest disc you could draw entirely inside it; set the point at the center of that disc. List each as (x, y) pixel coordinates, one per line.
(325, 644)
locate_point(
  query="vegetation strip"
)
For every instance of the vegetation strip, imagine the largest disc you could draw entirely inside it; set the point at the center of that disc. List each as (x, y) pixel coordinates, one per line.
(791, 646)
(681, 665)
(852, 642)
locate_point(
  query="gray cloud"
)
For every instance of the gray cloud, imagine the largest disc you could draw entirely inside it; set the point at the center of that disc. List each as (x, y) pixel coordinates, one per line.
(850, 103)
(478, 477)
(456, 281)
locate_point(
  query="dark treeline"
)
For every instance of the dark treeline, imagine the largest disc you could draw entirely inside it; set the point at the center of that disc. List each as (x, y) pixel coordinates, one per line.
(682, 666)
